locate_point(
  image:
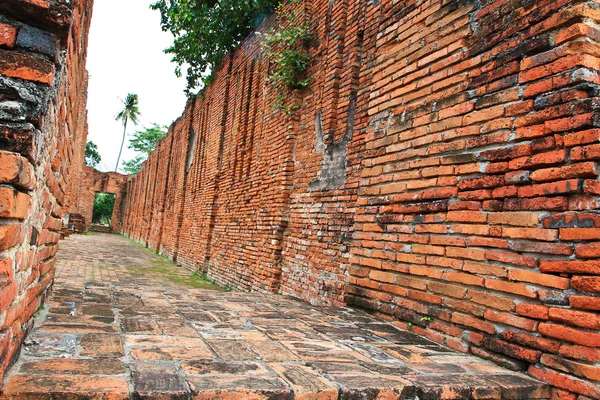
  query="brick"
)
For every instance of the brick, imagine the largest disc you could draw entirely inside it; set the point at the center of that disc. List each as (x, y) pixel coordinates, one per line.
(515, 288)
(530, 233)
(509, 319)
(10, 236)
(536, 204)
(448, 290)
(581, 170)
(572, 220)
(27, 67)
(578, 369)
(573, 267)
(514, 219)
(585, 302)
(577, 318)
(588, 250)
(565, 381)
(533, 311)
(474, 323)
(529, 340)
(549, 158)
(512, 350)
(568, 334)
(580, 233)
(495, 301)
(467, 216)
(13, 204)
(8, 35)
(8, 294)
(539, 279)
(580, 352)
(16, 170)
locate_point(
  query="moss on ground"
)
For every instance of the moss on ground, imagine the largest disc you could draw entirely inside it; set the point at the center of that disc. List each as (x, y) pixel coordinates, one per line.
(163, 268)
(174, 274)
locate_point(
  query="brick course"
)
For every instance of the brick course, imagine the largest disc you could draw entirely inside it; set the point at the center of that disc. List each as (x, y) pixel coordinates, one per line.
(442, 172)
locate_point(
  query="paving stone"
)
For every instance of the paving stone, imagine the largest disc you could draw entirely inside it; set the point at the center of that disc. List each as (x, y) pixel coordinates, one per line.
(167, 341)
(231, 350)
(395, 335)
(325, 351)
(176, 327)
(78, 328)
(102, 345)
(271, 351)
(94, 321)
(73, 366)
(158, 381)
(373, 387)
(520, 387)
(210, 387)
(140, 326)
(305, 382)
(50, 345)
(349, 333)
(224, 368)
(171, 353)
(342, 368)
(228, 332)
(200, 317)
(71, 387)
(96, 309)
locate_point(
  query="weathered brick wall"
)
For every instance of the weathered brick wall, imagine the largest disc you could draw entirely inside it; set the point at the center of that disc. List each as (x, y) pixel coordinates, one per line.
(43, 82)
(442, 172)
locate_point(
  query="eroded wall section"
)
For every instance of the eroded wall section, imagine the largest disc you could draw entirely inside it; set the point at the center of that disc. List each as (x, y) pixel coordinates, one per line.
(442, 172)
(43, 82)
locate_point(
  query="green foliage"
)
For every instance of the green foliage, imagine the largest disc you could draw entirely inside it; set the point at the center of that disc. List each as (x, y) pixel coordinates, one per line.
(285, 48)
(144, 142)
(202, 277)
(92, 157)
(130, 112)
(104, 204)
(205, 30)
(134, 165)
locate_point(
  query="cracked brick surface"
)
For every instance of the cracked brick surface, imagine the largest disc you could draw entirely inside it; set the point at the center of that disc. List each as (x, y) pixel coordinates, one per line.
(113, 329)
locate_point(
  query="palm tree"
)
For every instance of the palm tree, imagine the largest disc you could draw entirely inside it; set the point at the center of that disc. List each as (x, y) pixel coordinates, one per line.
(129, 112)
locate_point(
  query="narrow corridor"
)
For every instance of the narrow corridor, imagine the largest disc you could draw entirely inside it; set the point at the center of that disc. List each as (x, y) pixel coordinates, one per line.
(125, 323)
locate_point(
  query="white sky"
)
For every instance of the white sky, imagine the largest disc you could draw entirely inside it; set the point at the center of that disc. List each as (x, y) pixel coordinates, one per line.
(126, 56)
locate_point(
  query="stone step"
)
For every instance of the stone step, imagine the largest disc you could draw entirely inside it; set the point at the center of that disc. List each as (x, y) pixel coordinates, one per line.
(235, 380)
(100, 229)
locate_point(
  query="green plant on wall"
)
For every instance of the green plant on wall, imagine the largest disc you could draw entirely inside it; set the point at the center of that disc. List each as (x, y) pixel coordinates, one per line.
(205, 30)
(284, 46)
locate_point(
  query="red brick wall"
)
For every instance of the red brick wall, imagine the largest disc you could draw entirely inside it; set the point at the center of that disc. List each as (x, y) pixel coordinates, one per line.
(442, 172)
(43, 83)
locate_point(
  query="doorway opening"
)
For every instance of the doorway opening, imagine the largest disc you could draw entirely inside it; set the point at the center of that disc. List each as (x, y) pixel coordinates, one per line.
(104, 204)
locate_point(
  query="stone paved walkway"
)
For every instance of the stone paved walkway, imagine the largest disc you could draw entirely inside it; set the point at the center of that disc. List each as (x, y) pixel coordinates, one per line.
(124, 323)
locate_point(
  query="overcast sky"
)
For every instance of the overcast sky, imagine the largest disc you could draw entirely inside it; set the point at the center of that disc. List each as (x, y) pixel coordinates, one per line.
(126, 56)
